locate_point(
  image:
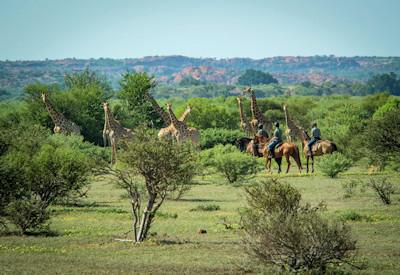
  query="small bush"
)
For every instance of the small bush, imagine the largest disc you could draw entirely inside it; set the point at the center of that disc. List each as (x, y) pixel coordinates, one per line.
(349, 188)
(229, 161)
(279, 230)
(27, 214)
(166, 215)
(351, 216)
(333, 164)
(214, 136)
(382, 188)
(206, 207)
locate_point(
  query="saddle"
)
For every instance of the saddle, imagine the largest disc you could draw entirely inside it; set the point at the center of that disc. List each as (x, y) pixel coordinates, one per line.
(315, 146)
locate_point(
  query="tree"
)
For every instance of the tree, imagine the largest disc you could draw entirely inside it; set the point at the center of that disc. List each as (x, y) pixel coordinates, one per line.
(152, 170)
(388, 82)
(134, 86)
(254, 77)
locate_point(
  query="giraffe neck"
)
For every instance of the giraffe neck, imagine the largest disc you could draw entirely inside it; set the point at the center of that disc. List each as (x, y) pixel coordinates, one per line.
(174, 121)
(185, 115)
(255, 111)
(242, 114)
(296, 129)
(164, 115)
(56, 117)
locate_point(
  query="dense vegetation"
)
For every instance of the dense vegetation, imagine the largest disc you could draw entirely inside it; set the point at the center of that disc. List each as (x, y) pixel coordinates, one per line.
(42, 173)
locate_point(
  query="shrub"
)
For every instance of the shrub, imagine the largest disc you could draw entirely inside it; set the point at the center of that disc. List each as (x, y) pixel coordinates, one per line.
(27, 214)
(382, 188)
(333, 164)
(349, 187)
(229, 161)
(206, 207)
(351, 216)
(213, 136)
(279, 230)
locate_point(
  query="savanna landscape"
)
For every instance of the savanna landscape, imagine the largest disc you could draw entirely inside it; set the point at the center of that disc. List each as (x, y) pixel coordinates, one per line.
(169, 164)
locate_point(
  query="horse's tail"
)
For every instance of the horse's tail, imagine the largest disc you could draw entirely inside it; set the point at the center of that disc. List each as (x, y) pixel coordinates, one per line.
(334, 147)
(297, 156)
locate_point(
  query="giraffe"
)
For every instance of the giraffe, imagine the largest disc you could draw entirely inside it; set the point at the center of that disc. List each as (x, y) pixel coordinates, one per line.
(181, 131)
(292, 129)
(166, 132)
(257, 115)
(163, 114)
(320, 148)
(61, 124)
(244, 123)
(113, 131)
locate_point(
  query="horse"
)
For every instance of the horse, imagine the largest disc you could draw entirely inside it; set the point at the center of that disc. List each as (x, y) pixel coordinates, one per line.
(322, 147)
(287, 149)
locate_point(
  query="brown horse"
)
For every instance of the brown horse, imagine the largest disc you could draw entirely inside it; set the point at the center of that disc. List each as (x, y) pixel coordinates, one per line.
(321, 147)
(286, 149)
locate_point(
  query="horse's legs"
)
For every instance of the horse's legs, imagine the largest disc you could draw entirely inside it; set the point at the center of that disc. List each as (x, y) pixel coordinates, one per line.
(279, 161)
(308, 158)
(312, 164)
(267, 166)
(288, 162)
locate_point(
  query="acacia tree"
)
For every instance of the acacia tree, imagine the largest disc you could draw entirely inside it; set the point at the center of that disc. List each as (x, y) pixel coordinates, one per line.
(152, 169)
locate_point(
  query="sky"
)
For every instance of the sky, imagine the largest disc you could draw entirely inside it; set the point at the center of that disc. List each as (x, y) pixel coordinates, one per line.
(53, 29)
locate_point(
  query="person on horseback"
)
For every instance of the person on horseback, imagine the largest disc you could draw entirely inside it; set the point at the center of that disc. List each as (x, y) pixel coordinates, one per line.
(276, 139)
(315, 136)
(260, 137)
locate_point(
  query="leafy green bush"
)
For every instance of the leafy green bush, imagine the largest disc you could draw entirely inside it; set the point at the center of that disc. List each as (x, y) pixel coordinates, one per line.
(206, 207)
(333, 164)
(351, 216)
(213, 136)
(27, 213)
(35, 170)
(229, 161)
(279, 230)
(349, 187)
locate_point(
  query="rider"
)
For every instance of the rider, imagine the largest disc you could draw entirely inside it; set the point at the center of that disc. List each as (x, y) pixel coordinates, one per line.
(260, 137)
(315, 136)
(276, 139)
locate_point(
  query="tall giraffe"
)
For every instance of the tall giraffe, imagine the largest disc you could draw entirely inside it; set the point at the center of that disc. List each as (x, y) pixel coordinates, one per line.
(181, 131)
(113, 131)
(244, 123)
(61, 124)
(166, 132)
(293, 130)
(257, 115)
(163, 114)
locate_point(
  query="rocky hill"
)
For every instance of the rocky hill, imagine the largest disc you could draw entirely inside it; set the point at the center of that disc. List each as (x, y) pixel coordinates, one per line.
(14, 75)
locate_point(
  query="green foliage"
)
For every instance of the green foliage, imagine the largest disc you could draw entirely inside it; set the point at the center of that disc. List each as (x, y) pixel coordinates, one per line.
(27, 213)
(230, 162)
(213, 136)
(387, 82)
(280, 231)
(38, 169)
(206, 207)
(382, 138)
(349, 188)
(351, 216)
(134, 86)
(254, 77)
(190, 81)
(333, 164)
(382, 188)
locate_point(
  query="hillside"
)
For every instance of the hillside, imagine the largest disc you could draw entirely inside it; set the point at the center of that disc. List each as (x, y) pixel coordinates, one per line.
(14, 75)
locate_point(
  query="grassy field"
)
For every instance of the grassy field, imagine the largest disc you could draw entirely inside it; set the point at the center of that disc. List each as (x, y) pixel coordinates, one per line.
(83, 238)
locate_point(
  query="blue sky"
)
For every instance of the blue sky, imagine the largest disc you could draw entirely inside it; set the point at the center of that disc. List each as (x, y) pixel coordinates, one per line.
(39, 29)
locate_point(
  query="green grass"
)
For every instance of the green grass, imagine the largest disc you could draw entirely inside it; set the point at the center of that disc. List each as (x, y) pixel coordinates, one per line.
(83, 239)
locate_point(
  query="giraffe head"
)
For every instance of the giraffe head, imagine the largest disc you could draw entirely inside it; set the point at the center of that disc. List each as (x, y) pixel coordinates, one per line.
(285, 107)
(248, 90)
(106, 106)
(239, 99)
(44, 96)
(189, 108)
(169, 106)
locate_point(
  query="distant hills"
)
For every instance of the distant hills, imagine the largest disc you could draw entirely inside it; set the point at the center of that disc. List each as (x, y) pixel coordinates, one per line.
(14, 75)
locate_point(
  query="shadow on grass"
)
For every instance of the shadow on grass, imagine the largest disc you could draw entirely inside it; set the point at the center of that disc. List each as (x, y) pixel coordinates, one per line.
(38, 233)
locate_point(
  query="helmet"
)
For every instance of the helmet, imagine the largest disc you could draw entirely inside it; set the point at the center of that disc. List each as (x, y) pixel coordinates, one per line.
(276, 124)
(314, 125)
